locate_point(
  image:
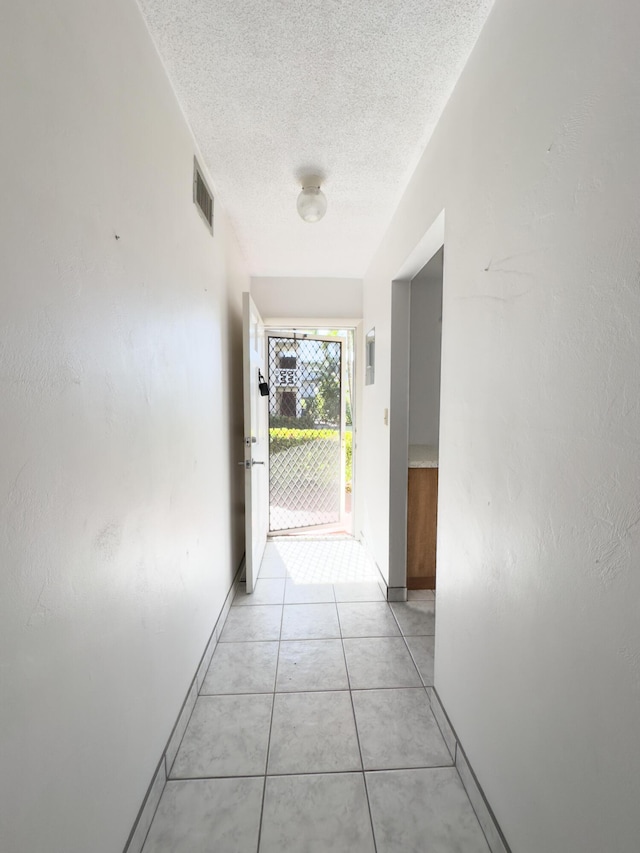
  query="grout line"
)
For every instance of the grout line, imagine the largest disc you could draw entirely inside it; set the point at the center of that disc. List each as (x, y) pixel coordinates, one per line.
(163, 760)
(266, 765)
(264, 793)
(333, 637)
(237, 693)
(355, 725)
(422, 678)
(314, 690)
(393, 613)
(413, 660)
(440, 727)
(168, 772)
(368, 689)
(367, 770)
(273, 703)
(403, 769)
(313, 773)
(209, 778)
(366, 792)
(489, 811)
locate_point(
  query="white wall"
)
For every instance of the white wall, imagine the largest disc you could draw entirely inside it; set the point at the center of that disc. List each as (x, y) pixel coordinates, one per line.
(424, 354)
(331, 298)
(535, 162)
(120, 508)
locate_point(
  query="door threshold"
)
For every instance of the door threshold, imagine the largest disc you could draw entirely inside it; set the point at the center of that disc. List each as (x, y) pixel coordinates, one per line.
(338, 528)
(309, 533)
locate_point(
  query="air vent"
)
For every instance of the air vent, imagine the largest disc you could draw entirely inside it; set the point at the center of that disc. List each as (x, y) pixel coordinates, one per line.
(202, 196)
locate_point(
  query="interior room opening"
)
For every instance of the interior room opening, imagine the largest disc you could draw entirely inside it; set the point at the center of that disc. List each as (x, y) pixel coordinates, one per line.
(424, 423)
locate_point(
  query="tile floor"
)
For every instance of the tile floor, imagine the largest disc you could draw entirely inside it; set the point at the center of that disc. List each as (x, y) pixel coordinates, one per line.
(313, 731)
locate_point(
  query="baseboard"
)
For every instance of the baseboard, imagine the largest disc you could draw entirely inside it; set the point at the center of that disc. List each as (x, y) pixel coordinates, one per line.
(396, 593)
(147, 811)
(486, 818)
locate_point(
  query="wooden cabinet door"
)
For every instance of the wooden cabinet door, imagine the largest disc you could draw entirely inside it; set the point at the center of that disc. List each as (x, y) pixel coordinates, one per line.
(422, 511)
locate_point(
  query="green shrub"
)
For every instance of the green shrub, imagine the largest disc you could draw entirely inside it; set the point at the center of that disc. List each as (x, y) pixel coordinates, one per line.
(305, 421)
(282, 438)
(348, 448)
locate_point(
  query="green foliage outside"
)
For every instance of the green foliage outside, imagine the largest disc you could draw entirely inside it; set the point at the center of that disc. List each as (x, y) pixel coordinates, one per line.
(286, 422)
(282, 438)
(348, 448)
(324, 406)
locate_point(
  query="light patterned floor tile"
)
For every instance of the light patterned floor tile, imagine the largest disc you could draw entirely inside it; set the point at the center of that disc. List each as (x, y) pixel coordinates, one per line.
(316, 814)
(313, 733)
(205, 815)
(397, 730)
(226, 736)
(242, 668)
(415, 811)
(311, 665)
(380, 662)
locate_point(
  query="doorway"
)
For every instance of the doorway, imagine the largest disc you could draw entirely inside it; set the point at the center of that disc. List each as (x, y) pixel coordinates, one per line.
(311, 402)
(399, 409)
(425, 342)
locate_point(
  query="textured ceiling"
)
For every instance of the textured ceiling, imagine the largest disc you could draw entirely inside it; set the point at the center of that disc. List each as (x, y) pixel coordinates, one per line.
(350, 89)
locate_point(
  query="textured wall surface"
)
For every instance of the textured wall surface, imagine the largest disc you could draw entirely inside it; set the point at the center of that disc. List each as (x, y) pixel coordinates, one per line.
(424, 354)
(120, 505)
(538, 640)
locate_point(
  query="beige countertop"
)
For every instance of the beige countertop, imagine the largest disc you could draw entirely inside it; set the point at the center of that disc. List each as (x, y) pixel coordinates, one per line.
(423, 456)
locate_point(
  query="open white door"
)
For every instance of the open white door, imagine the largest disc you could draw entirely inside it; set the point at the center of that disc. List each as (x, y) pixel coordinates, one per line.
(256, 440)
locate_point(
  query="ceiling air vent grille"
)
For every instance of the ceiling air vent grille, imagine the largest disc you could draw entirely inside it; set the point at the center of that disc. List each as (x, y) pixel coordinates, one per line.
(202, 196)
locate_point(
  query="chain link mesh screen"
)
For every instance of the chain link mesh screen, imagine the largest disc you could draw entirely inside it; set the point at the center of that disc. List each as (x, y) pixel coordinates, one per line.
(304, 432)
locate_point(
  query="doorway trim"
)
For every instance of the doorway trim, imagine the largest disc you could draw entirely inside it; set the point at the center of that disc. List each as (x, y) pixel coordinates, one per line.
(430, 243)
(277, 323)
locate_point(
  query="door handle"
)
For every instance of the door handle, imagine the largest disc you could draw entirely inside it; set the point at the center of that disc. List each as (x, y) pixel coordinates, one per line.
(249, 463)
(255, 462)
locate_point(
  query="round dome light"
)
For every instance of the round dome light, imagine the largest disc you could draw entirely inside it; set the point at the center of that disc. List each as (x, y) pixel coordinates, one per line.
(312, 204)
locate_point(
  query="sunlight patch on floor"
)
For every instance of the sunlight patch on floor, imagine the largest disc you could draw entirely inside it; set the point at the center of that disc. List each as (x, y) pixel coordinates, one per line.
(342, 560)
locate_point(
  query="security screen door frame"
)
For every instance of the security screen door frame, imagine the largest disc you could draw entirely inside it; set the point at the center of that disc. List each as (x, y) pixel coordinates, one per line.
(296, 335)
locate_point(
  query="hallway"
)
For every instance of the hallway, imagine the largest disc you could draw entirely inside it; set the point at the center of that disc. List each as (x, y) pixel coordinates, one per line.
(313, 730)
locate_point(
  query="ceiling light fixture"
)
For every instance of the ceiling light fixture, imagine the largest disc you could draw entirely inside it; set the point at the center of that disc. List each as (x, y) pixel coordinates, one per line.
(312, 202)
